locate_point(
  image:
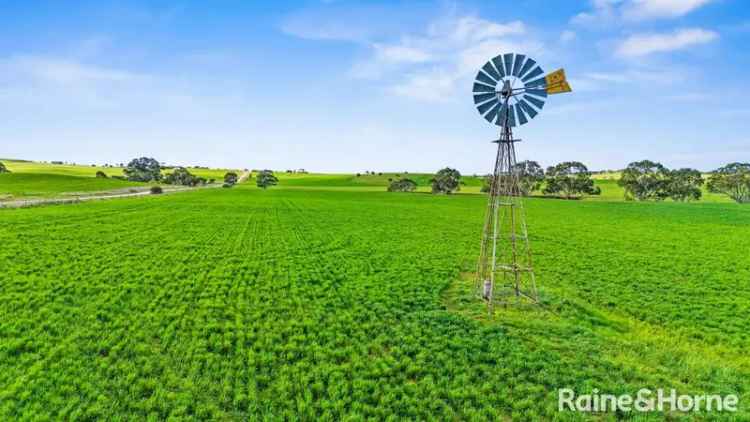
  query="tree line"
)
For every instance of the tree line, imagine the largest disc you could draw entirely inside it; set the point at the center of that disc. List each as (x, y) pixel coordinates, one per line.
(648, 180)
(570, 179)
(146, 169)
(641, 181)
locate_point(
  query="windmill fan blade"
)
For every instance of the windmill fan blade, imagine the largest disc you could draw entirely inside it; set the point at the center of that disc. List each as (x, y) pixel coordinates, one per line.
(490, 70)
(521, 117)
(517, 65)
(526, 67)
(498, 62)
(508, 58)
(483, 88)
(481, 77)
(486, 106)
(538, 92)
(480, 98)
(540, 83)
(506, 113)
(491, 115)
(533, 74)
(537, 102)
(527, 108)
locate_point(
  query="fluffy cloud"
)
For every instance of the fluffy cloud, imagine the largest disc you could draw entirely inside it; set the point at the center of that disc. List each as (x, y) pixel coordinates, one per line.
(606, 12)
(63, 71)
(653, 9)
(644, 44)
(446, 54)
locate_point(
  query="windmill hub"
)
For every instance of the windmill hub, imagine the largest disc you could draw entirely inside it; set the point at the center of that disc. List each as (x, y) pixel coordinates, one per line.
(506, 90)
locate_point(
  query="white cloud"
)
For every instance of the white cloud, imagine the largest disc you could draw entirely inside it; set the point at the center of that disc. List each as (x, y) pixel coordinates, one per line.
(432, 86)
(653, 9)
(447, 53)
(567, 36)
(603, 11)
(427, 65)
(63, 71)
(607, 12)
(644, 44)
(401, 53)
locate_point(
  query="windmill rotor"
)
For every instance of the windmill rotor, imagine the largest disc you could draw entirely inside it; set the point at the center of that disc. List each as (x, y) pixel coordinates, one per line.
(511, 89)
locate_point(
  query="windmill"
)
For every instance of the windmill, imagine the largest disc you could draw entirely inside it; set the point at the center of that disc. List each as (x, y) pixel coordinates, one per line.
(509, 91)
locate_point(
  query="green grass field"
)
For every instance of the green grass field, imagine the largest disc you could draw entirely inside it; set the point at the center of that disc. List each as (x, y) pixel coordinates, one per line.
(33, 179)
(327, 298)
(29, 179)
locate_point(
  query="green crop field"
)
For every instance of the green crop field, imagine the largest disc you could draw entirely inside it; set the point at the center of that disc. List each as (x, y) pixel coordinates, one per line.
(328, 298)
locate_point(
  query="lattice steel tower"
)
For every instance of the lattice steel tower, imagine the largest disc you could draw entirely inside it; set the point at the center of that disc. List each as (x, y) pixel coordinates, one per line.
(509, 90)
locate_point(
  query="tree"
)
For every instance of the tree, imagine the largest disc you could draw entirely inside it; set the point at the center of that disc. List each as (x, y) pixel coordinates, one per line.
(530, 175)
(101, 175)
(685, 184)
(143, 169)
(230, 178)
(181, 176)
(644, 180)
(571, 179)
(446, 181)
(732, 180)
(265, 179)
(402, 185)
(3, 169)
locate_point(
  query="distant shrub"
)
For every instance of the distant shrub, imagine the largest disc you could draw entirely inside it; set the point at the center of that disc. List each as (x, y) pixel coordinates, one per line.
(402, 185)
(101, 175)
(230, 178)
(3, 169)
(118, 177)
(211, 181)
(56, 162)
(227, 185)
(155, 190)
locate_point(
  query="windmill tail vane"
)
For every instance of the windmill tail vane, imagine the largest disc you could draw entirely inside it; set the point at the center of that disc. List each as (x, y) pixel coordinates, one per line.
(509, 90)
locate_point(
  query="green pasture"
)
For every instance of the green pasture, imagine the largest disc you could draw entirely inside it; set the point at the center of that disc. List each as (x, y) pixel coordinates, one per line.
(34, 179)
(336, 304)
(30, 179)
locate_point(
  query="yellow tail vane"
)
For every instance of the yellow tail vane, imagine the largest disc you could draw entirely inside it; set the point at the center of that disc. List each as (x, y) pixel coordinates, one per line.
(557, 83)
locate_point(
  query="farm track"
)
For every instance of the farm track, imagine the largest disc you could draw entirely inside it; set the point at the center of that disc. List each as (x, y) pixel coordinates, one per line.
(93, 196)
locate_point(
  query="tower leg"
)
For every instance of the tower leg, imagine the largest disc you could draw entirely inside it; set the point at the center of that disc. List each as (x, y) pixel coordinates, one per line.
(504, 272)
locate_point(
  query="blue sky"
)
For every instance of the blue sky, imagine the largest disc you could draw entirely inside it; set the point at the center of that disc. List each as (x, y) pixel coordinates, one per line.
(351, 86)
